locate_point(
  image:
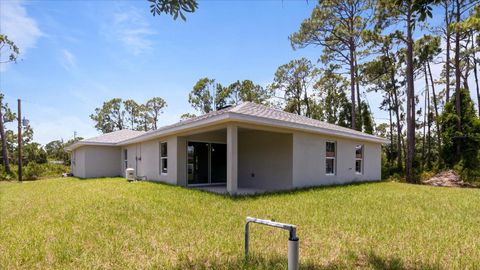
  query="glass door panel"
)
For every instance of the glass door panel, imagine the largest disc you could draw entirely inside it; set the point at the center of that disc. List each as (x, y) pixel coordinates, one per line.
(218, 163)
(197, 163)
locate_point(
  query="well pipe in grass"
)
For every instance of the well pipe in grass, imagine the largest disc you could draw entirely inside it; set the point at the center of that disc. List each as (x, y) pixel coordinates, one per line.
(292, 239)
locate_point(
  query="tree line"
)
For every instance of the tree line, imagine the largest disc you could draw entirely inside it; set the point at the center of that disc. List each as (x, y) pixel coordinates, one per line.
(364, 46)
(372, 46)
(118, 114)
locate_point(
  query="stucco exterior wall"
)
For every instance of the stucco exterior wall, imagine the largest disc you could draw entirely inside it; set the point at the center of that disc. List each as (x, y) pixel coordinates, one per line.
(144, 157)
(309, 161)
(97, 161)
(78, 162)
(264, 160)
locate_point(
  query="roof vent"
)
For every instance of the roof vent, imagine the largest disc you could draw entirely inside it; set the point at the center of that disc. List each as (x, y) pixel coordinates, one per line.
(224, 107)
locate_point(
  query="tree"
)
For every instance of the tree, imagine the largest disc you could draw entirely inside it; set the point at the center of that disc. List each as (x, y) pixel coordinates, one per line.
(6, 116)
(187, 116)
(173, 8)
(56, 149)
(132, 110)
(201, 97)
(469, 31)
(382, 74)
(336, 25)
(409, 12)
(293, 80)
(110, 116)
(145, 120)
(426, 49)
(467, 138)
(461, 33)
(246, 90)
(367, 119)
(155, 107)
(331, 88)
(33, 152)
(8, 47)
(447, 34)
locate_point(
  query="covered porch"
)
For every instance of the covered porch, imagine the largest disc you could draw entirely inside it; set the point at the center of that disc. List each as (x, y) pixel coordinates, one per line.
(235, 159)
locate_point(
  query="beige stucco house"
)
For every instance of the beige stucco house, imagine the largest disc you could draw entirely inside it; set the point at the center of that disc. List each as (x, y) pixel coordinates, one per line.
(248, 146)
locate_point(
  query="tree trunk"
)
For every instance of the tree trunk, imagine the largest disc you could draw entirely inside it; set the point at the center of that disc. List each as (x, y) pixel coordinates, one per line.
(467, 66)
(458, 74)
(6, 162)
(437, 123)
(429, 135)
(475, 75)
(410, 99)
(352, 84)
(425, 94)
(308, 112)
(447, 60)
(391, 123)
(359, 102)
(397, 114)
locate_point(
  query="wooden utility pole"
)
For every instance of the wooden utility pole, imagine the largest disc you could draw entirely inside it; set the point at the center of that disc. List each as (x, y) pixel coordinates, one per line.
(19, 140)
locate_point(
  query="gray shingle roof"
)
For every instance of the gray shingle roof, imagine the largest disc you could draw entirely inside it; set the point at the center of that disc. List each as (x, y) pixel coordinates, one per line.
(253, 109)
(113, 137)
(258, 113)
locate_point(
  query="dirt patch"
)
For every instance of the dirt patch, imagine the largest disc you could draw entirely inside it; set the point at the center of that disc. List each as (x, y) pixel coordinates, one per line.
(447, 179)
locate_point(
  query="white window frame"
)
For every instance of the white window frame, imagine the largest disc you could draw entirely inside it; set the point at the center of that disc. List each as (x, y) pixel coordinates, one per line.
(125, 158)
(163, 158)
(334, 158)
(359, 159)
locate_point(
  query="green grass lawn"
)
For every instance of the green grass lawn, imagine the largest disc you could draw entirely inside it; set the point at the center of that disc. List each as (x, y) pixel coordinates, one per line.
(113, 224)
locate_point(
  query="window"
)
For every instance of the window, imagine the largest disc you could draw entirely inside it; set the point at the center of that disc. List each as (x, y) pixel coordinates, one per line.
(163, 158)
(330, 158)
(359, 159)
(125, 157)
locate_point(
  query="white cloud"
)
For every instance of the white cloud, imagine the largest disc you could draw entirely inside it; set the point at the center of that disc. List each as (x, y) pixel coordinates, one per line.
(68, 60)
(132, 29)
(18, 26)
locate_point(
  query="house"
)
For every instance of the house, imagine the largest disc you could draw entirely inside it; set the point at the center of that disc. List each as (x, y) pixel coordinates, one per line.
(248, 146)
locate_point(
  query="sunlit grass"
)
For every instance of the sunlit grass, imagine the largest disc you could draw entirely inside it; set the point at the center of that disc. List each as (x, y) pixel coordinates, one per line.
(113, 224)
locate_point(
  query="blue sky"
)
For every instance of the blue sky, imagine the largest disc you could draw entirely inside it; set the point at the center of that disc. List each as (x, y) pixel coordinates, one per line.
(77, 54)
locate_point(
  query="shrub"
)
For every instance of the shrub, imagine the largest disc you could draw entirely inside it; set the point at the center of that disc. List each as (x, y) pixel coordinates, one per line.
(32, 171)
(4, 176)
(425, 175)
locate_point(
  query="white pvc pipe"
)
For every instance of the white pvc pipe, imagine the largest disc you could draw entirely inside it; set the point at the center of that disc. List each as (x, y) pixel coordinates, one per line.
(293, 254)
(293, 241)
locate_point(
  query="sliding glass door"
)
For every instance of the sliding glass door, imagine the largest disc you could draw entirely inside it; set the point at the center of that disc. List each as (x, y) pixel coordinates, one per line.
(206, 163)
(218, 164)
(197, 163)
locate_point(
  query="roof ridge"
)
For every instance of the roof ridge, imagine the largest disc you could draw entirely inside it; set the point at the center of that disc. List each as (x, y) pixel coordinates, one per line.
(239, 106)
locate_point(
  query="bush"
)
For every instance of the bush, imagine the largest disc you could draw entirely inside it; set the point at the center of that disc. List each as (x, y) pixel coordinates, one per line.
(32, 171)
(467, 174)
(4, 176)
(425, 175)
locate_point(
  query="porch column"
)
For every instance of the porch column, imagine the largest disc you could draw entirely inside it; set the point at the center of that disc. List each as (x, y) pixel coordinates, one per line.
(232, 159)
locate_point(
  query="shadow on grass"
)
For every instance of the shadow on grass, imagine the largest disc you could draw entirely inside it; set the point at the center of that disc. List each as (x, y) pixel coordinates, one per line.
(369, 261)
(377, 262)
(267, 193)
(242, 196)
(289, 192)
(252, 262)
